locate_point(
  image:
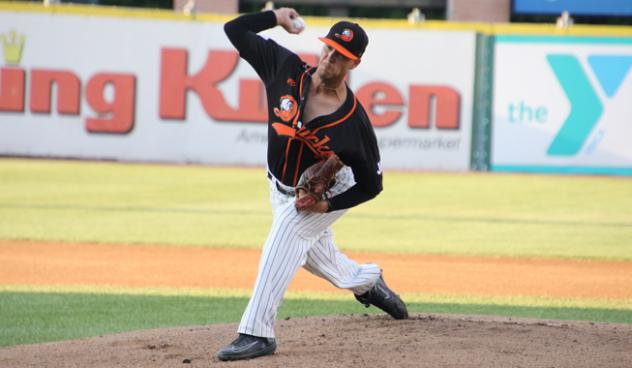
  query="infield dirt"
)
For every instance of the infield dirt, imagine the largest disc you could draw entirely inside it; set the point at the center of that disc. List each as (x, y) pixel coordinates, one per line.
(341, 341)
(354, 341)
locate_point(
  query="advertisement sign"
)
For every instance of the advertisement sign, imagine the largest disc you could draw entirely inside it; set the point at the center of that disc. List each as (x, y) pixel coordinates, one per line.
(582, 7)
(102, 87)
(562, 104)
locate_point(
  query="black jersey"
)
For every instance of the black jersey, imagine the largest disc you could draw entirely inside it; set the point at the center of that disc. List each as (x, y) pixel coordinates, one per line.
(294, 144)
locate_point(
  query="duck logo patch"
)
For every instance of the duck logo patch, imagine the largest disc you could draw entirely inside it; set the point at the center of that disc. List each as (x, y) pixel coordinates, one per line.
(287, 108)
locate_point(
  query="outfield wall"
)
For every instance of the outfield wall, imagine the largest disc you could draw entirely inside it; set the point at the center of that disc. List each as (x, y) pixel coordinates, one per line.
(129, 88)
(562, 104)
(122, 84)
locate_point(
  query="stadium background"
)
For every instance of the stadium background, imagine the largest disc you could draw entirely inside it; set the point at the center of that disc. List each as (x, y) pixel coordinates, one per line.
(496, 99)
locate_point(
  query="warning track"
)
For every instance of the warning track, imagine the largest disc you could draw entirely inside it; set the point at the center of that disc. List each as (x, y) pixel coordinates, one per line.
(144, 266)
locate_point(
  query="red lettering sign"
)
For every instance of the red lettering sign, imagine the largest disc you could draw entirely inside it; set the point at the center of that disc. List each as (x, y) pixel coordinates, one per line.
(12, 89)
(440, 102)
(379, 94)
(175, 82)
(428, 105)
(68, 91)
(115, 116)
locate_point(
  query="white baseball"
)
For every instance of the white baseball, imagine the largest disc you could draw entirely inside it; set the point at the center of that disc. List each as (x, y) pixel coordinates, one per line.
(298, 23)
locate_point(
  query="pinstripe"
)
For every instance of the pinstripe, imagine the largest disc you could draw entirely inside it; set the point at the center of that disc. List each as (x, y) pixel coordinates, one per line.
(326, 221)
(284, 278)
(338, 278)
(295, 239)
(269, 254)
(318, 223)
(321, 271)
(281, 243)
(325, 266)
(345, 266)
(284, 240)
(350, 278)
(309, 220)
(287, 276)
(282, 275)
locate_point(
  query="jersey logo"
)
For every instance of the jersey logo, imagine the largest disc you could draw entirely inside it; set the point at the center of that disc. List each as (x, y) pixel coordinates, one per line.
(287, 108)
(284, 130)
(291, 82)
(346, 35)
(315, 144)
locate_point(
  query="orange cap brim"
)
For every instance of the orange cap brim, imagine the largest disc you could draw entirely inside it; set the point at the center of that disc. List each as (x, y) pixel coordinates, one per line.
(338, 48)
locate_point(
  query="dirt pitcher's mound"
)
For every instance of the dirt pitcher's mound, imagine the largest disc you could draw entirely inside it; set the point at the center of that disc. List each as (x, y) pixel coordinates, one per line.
(354, 341)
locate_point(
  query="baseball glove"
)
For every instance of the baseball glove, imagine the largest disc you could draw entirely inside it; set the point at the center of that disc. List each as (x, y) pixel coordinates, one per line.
(317, 180)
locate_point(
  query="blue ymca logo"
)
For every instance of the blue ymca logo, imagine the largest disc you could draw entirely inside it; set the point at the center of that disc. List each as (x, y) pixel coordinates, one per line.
(586, 106)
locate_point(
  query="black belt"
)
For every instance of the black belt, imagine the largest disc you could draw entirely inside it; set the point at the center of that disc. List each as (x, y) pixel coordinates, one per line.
(283, 191)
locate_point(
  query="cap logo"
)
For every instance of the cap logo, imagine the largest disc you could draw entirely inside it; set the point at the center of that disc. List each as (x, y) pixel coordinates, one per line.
(346, 35)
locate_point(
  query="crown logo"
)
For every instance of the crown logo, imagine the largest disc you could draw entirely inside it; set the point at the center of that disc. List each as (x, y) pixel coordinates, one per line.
(12, 43)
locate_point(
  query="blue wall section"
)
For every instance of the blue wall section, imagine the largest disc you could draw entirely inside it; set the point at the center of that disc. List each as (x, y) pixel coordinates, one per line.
(584, 7)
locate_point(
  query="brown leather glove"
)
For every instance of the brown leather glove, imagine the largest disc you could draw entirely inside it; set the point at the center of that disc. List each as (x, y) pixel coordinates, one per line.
(317, 180)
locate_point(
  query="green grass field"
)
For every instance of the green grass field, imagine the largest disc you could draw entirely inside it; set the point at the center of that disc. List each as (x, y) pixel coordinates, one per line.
(60, 316)
(426, 213)
(430, 213)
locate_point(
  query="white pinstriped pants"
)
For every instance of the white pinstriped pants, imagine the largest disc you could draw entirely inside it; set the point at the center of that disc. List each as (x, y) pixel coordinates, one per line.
(301, 239)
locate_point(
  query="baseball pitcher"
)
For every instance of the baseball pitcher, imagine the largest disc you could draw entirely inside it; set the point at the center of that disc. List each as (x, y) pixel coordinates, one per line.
(322, 160)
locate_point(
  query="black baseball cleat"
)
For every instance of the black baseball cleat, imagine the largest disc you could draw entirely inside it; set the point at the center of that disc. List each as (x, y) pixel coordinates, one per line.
(247, 347)
(385, 299)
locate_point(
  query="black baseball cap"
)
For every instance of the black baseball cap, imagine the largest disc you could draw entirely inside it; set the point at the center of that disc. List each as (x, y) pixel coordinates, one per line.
(348, 39)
